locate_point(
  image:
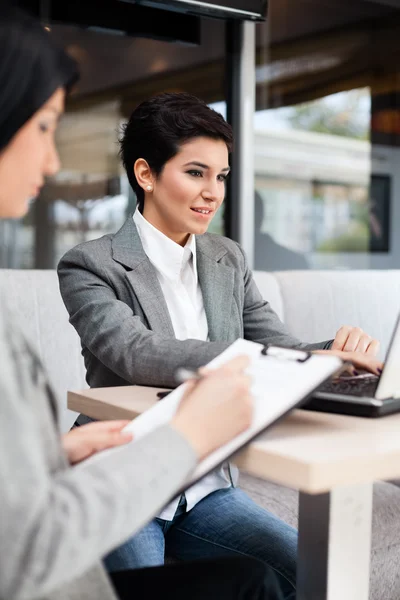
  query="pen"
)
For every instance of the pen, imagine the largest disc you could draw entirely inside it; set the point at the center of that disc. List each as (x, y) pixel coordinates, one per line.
(182, 375)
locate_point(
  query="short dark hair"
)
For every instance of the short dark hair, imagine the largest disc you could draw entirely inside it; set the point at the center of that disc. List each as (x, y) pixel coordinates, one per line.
(158, 127)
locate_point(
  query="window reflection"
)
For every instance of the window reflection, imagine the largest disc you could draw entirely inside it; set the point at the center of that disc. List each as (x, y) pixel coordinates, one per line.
(312, 176)
(327, 135)
(91, 195)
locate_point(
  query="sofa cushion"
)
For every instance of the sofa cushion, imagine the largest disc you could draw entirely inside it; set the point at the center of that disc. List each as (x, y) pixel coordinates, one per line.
(269, 287)
(317, 303)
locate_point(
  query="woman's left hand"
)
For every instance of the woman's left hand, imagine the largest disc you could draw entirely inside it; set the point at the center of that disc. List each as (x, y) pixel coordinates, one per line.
(86, 440)
(354, 339)
(360, 362)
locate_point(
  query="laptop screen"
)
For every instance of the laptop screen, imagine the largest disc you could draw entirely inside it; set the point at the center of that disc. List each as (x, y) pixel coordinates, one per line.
(389, 381)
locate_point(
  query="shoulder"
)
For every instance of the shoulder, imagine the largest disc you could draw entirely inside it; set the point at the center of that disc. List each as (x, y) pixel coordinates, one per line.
(100, 253)
(86, 252)
(4, 322)
(12, 342)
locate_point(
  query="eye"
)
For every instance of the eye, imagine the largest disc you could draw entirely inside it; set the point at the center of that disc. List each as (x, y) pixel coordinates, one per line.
(195, 173)
(223, 177)
(44, 128)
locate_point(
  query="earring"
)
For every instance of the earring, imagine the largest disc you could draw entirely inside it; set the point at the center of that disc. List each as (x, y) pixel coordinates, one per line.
(149, 188)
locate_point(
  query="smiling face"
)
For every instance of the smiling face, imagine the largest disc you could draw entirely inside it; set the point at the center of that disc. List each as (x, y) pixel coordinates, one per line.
(190, 189)
(29, 158)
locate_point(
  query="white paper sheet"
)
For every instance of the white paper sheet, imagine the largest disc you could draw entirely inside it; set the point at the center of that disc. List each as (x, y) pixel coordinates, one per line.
(278, 385)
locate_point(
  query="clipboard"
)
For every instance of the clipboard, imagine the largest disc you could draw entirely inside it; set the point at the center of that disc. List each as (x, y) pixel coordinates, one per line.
(283, 379)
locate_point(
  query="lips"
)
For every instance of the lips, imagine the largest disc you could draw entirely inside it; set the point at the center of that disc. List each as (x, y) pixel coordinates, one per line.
(202, 211)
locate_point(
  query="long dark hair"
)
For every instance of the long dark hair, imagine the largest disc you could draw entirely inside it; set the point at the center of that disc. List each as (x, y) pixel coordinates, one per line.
(32, 67)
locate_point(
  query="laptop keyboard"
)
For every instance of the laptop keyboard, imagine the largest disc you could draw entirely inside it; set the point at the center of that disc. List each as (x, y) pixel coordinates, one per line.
(365, 386)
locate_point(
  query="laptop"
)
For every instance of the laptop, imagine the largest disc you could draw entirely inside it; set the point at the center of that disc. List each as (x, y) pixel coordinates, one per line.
(364, 395)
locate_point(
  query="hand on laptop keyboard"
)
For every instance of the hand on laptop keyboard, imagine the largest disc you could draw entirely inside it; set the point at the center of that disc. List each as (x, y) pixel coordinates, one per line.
(354, 339)
(358, 360)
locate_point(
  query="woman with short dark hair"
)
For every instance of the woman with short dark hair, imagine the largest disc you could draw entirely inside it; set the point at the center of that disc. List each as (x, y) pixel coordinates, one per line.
(59, 513)
(158, 294)
(162, 292)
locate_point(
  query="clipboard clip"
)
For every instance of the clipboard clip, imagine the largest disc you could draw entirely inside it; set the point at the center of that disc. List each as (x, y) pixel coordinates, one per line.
(300, 356)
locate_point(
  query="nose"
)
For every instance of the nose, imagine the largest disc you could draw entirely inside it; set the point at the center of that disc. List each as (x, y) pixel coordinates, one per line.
(212, 191)
(53, 164)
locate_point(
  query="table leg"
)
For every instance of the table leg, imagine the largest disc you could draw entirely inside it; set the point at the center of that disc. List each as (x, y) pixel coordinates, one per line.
(335, 544)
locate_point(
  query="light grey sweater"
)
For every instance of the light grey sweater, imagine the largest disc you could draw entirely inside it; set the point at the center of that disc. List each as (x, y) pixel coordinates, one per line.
(57, 521)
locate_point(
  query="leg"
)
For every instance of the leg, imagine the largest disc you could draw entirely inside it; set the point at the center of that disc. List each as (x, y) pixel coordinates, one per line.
(229, 523)
(335, 544)
(238, 578)
(145, 549)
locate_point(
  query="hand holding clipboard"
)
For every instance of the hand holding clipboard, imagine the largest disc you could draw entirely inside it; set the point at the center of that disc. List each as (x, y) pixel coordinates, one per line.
(281, 379)
(216, 407)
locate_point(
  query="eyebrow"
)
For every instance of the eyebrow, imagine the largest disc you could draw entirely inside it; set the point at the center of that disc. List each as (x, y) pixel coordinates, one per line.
(203, 166)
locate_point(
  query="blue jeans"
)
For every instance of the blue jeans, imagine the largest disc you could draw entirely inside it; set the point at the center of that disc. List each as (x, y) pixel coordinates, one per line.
(224, 523)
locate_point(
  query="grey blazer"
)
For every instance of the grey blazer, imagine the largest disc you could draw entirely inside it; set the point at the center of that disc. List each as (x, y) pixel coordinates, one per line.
(115, 303)
(57, 521)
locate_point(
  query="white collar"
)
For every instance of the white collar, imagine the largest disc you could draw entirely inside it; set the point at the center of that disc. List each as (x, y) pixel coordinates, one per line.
(167, 256)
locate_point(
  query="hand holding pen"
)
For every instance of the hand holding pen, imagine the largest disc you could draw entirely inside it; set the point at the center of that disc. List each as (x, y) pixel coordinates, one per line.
(216, 407)
(182, 375)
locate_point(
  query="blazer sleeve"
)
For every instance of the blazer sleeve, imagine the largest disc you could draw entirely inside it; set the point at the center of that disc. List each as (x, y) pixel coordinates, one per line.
(55, 525)
(115, 335)
(261, 323)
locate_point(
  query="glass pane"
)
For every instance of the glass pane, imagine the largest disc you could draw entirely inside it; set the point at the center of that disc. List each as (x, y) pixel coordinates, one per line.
(91, 195)
(327, 131)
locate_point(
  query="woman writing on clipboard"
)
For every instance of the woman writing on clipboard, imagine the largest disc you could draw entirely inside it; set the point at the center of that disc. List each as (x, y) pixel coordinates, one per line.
(59, 514)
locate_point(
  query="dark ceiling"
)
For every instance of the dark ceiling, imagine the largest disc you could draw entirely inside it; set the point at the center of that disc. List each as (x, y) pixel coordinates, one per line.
(293, 19)
(294, 28)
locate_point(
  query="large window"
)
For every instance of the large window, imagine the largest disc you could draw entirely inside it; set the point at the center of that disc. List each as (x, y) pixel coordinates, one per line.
(91, 196)
(326, 131)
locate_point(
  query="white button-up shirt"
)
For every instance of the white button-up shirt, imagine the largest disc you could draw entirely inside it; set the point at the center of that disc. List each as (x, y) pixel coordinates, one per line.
(176, 269)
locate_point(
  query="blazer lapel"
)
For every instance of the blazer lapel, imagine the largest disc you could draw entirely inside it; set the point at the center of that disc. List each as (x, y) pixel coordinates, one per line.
(217, 285)
(128, 250)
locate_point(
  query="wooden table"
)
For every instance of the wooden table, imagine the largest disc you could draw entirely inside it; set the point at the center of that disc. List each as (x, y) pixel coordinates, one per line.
(333, 461)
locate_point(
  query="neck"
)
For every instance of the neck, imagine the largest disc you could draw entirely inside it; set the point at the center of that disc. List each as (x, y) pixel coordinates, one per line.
(177, 237)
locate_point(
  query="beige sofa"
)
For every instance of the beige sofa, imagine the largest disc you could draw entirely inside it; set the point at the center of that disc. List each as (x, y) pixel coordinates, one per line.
(313, 304)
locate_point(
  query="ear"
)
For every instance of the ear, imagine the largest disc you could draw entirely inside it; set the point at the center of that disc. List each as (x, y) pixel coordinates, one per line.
(143, 174)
